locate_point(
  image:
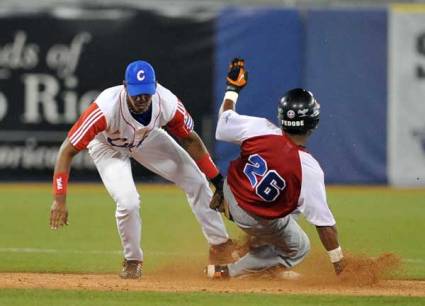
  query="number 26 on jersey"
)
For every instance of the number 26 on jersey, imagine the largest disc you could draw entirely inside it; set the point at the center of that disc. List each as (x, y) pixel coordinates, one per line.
(268, 184)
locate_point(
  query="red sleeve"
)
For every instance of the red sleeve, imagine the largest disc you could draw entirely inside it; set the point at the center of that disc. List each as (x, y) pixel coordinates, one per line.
(182, 123)
(90, 123)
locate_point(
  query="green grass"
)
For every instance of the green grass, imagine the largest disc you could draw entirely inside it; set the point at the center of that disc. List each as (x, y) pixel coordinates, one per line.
(91, 243)
(15, 297)
(371, 221)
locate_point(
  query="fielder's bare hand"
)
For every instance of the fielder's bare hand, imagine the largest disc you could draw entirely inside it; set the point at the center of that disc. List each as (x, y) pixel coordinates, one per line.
(58, 213)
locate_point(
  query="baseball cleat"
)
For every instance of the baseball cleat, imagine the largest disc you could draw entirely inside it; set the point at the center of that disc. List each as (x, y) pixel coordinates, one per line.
(224, 253)
(217, 272)
(131, 269)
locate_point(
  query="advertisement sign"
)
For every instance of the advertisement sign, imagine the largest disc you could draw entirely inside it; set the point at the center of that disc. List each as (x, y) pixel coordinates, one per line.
(53, 65)
(406, 117)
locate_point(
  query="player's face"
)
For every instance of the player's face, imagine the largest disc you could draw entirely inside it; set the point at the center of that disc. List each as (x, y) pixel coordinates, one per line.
(140, 103)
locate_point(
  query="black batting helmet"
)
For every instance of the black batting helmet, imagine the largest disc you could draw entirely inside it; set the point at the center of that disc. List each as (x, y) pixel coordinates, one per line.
(298, 111)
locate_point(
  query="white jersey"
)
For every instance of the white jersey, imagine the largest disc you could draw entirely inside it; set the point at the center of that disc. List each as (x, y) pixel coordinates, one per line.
(109, 120)
(273, 177)
(115, 137)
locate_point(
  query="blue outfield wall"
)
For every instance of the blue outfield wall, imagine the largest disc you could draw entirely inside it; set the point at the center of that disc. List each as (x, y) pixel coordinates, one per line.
(271, 42)
(346, 67)
(340, 55)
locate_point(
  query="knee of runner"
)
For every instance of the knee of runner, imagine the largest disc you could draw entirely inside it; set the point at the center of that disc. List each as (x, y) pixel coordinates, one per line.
(301, 248)
(304, 245)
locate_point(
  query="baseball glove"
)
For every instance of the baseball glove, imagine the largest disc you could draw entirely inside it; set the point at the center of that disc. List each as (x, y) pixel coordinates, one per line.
(218, 197)
(217, 201)
(237, 76)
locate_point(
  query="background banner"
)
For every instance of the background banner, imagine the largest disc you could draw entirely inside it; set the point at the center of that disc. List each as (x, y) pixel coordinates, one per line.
(406, 118)
(366, 67)
(54, 63)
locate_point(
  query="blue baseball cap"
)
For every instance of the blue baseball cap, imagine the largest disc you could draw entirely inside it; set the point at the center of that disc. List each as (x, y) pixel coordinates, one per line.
(140, 78)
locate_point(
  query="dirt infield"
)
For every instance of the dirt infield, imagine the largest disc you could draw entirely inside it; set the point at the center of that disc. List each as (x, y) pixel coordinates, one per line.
(108, 282)
(363, 276)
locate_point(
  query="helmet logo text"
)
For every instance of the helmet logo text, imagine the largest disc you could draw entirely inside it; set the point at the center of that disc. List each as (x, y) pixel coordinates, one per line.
(293, 123)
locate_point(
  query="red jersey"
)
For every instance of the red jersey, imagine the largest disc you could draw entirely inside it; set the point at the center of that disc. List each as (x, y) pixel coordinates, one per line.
(266, 178)
(273, 177)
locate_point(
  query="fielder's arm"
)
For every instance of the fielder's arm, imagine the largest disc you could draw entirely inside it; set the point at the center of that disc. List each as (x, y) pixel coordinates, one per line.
(329, 237)
(91, 122)
(58, 210)
(194, 145)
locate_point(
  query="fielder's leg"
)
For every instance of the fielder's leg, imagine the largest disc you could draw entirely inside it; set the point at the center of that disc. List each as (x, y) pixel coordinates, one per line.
(115, 170)
(161, 154)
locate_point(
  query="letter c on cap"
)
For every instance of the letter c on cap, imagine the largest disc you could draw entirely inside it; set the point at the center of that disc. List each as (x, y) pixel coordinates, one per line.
(140, 75)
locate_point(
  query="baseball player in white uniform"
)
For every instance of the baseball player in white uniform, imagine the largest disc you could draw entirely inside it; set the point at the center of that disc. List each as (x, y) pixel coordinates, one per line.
(273, 178)
(126, 122)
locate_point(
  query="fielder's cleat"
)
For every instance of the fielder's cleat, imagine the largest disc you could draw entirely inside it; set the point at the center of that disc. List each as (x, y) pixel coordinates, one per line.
(223, 253)
(131, 269)
(217, 272)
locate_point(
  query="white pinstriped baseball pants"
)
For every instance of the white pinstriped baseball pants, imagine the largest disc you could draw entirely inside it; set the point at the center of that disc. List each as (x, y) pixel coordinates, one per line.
(161, 154)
